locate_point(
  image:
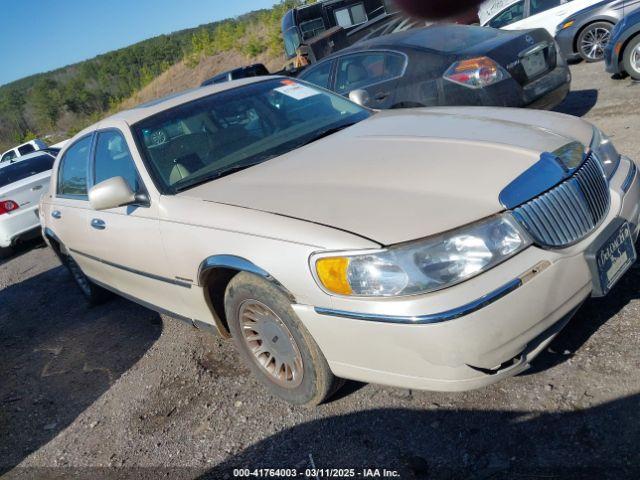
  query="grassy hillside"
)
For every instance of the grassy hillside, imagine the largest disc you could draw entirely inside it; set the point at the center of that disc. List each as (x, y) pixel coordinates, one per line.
(59, 103)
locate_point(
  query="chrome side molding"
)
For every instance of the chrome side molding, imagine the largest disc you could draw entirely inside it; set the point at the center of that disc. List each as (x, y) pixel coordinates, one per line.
(430, 318)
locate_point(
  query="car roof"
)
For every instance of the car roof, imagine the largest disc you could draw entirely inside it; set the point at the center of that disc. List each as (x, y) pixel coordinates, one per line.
(144, 110)
(433, 38)
(21, 158)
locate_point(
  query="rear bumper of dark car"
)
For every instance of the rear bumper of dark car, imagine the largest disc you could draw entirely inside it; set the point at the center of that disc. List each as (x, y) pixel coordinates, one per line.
(549, 91)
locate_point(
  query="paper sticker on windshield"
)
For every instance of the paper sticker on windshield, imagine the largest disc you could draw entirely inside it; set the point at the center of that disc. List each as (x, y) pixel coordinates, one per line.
(297, 91)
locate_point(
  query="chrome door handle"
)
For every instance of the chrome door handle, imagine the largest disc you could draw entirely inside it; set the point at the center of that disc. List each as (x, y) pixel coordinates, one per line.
(36, 188)
(56, 214)
(98, 224)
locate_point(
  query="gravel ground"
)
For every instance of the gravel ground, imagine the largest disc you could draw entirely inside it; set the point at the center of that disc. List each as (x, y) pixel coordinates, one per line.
(118, 390)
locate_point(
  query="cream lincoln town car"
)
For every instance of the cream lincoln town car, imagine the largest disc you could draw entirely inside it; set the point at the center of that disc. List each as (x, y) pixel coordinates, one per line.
(437, 249)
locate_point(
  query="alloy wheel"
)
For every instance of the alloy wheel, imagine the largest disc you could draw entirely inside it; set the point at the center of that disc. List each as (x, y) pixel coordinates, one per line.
(635, 59)
(270, 341)
(594, 42)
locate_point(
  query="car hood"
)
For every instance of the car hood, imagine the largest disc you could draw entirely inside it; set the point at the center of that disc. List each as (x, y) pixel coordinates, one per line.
(401, 175)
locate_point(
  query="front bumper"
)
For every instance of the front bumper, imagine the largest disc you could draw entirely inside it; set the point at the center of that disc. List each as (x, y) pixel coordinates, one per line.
(565, 39)
(611, 60)
(492, 342)
(14, 226)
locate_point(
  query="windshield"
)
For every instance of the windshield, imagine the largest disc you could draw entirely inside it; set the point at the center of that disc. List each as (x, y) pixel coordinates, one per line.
(25, 169)
(234, 129)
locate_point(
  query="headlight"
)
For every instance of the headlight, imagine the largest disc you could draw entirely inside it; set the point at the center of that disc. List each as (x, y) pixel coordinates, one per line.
(424, 265)
(605, 151)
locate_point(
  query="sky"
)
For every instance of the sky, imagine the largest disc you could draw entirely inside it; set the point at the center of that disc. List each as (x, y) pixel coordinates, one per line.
(42, 35)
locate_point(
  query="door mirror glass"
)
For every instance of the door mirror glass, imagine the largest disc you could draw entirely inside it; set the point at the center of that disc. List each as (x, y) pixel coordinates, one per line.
(112, 193)
(361, 97)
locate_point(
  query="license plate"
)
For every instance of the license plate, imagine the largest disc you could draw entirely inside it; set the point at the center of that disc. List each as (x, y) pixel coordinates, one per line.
(534, 64)
(614, 257)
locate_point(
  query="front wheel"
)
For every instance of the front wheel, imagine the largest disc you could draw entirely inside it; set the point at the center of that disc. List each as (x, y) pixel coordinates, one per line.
(631, 58)
(5, 252)
(593, 40)
(274, 343)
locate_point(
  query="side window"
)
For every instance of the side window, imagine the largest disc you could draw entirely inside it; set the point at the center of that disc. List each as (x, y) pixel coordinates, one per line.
(113, 159)
(349, 16)
(72, 173)
(539, 6)
(361, 70)
(24, 149)
(10, 155)
(318, 75)
(509, 15)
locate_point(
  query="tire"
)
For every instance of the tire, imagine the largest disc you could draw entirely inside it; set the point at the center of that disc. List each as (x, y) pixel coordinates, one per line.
(5, 252)
(592, 41)
(631, 58)
(93, 294)
(259, 316)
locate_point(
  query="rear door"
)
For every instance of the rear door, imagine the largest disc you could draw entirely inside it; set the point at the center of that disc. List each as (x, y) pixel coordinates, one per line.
(377, 72)
(67, 212)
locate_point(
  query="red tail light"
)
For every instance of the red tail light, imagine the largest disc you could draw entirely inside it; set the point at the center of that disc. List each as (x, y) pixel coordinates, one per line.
(476, 72)
(7, 206)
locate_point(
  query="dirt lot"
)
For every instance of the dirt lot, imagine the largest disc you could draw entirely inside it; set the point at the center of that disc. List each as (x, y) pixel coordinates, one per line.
(121, 386)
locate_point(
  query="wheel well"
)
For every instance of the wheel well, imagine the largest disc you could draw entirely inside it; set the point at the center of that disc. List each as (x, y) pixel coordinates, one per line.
(215, 284)
(583, 28)
(56, 245)
(214, 276)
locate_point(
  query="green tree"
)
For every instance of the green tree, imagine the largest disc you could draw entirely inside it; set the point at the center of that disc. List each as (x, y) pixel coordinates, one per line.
(47, 101)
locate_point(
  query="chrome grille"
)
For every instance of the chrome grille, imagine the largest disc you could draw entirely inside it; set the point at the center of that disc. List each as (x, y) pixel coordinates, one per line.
(570, 210)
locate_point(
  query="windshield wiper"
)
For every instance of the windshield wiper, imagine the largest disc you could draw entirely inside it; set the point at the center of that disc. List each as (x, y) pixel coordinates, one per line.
(327, 132)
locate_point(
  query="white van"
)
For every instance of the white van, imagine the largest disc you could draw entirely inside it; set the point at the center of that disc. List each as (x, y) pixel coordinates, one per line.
(28, 147)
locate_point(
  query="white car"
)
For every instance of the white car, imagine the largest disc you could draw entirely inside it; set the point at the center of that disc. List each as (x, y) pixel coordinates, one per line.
(525, 14)
(23, 149)
(22, 183)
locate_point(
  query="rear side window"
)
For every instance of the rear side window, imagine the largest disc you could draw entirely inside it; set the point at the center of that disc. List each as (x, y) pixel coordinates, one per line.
(24, 149)
(361, 70)
(509, 15)
(72, 176)
(25, 169)
(113, 159)
(318, 75)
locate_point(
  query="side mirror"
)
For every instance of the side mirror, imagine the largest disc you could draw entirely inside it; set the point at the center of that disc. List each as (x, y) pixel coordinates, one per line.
(112, 193)
(359, 96)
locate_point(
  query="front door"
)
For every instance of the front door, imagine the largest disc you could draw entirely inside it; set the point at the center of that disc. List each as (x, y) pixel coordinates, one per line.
(124, 249)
